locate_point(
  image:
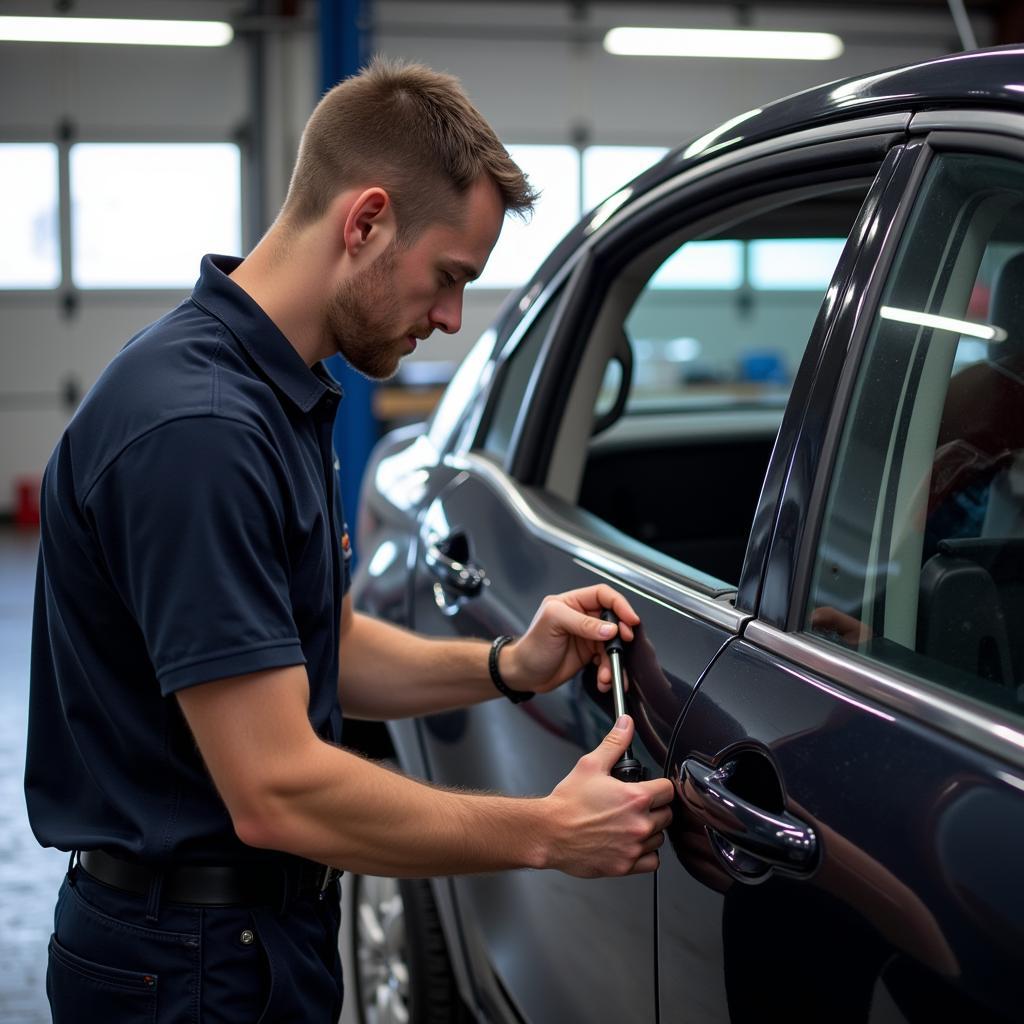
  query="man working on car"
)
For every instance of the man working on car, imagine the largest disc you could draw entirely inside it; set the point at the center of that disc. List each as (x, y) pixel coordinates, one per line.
(193, 642)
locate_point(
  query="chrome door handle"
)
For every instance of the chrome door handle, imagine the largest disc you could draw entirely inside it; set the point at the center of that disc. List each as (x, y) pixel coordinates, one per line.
(749, 840)
(461, 577)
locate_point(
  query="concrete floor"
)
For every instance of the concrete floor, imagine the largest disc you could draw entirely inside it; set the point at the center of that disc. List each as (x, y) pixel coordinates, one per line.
(29, 875)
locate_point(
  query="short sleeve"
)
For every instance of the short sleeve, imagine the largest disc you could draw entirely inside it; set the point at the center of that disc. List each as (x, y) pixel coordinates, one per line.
(191, 521)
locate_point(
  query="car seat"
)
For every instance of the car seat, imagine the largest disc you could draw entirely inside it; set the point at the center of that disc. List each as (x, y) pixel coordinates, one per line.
(971, 601)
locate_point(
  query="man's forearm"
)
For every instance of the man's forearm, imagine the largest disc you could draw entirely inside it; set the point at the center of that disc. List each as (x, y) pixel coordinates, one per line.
(387, 672)
(303, 796)
(334, 807)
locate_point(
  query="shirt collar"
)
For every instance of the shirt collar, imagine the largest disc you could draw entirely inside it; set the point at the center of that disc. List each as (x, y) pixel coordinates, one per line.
(275, 355)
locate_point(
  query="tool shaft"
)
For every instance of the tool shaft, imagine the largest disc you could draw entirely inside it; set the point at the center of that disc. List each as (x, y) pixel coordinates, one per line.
(627, 768)
(618, 689)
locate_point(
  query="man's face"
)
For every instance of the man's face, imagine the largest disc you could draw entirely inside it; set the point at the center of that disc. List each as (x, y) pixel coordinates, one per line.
(379, 315)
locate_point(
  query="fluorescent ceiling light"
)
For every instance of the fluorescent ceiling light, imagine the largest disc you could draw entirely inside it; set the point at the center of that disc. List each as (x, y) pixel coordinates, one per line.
(705, 42)
(987, 332)
(131, 31)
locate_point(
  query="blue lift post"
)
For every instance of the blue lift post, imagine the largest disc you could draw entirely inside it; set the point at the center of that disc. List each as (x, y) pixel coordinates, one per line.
(344, 48)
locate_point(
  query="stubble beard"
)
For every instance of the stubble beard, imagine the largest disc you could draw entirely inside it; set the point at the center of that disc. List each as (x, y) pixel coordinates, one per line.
(363, 320)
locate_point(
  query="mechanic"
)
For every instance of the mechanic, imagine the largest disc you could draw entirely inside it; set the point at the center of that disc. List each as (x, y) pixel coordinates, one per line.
(193, 642)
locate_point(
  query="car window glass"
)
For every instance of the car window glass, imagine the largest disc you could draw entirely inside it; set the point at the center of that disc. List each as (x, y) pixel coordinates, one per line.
(460, 390)
(513, 382)
(920, 562)
(717, 327)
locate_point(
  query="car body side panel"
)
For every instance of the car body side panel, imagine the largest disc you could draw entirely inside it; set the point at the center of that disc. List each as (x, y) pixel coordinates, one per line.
(913, 912)
(527, 749)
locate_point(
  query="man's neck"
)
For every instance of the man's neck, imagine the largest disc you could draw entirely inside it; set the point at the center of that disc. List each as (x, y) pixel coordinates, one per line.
(284, 285)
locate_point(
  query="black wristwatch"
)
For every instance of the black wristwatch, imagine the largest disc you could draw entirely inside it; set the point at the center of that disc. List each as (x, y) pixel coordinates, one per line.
(516, 696)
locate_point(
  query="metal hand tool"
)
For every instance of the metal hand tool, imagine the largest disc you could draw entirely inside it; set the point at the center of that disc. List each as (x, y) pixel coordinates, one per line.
(627, 768)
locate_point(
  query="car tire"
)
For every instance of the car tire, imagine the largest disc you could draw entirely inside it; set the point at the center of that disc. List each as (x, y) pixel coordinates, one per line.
(402, 972)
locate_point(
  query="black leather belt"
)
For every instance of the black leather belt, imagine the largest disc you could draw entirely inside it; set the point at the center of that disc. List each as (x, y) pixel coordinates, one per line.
(212, 885)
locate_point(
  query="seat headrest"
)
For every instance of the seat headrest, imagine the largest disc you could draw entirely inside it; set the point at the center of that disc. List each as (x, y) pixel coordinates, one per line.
(1006, 310)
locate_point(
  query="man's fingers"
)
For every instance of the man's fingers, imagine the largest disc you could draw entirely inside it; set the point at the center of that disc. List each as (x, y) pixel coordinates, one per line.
(604, 674)
(608, 598)
(646, 864)
(661, 792)
(612, 747)
(593, 600)
(661, 819)
(579, 624)
(653, 843)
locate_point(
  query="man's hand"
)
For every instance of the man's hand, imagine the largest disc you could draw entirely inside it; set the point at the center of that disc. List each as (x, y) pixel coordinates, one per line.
(603, 826)
(566, 634)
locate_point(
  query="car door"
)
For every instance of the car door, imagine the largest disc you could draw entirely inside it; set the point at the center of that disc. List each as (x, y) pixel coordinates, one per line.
(850, 770)
(525, 513)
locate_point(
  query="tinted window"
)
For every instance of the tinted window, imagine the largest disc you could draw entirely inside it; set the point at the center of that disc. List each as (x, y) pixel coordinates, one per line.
(460, 391)
(513, 382)
(921, 557)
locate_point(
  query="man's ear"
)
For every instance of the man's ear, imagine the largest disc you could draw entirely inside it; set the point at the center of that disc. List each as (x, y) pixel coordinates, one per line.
(369, 223)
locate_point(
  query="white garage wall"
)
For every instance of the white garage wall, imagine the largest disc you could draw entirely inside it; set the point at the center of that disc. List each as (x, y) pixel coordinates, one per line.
(536, 71)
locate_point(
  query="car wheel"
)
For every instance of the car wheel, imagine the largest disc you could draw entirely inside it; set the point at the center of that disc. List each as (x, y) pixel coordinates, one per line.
(402, 971)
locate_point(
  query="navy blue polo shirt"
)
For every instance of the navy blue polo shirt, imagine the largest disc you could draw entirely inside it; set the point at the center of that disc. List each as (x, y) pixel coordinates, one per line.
(192, 529)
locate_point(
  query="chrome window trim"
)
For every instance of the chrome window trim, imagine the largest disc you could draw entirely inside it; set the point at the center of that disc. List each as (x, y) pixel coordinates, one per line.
(999, 122)
(662, 589)
(917, 698)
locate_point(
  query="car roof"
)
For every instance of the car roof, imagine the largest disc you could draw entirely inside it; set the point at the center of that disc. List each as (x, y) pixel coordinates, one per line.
(981, 78)
(990, 78)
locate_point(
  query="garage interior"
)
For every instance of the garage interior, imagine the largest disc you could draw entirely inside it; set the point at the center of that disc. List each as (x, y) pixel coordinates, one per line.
(101, 232)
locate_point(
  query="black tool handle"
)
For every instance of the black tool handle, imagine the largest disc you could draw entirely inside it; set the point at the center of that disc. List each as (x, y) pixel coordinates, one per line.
(628, 769)
(615, 644)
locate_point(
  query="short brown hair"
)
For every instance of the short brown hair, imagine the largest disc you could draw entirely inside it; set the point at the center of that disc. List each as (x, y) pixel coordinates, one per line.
(409, 129)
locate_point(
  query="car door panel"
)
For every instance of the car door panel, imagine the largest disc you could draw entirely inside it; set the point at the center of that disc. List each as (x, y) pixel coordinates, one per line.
(898, 916)
(599, 932)
(525, 548)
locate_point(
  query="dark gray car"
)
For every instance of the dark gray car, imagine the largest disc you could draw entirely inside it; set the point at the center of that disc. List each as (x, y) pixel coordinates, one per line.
(773, 392)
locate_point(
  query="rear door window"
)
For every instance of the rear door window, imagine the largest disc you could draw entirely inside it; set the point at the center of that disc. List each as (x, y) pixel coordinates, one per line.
(920, 562)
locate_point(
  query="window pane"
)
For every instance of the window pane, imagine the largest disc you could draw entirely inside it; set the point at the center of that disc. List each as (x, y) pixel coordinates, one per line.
(921, 558)
(510, 404)
(522, 246)
(794, 263)
(460, 391)
(607, 168)
(30, 253)
(142, 215)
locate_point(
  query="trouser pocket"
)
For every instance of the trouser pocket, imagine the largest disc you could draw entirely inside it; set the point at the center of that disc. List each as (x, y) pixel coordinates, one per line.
(82, 990)
(102, 956)
(304, 973)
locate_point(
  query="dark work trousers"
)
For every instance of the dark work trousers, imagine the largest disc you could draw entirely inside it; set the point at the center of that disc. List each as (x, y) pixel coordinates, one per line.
(110, 962)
